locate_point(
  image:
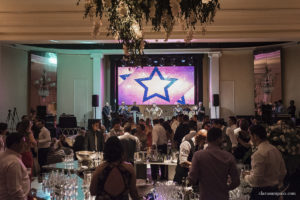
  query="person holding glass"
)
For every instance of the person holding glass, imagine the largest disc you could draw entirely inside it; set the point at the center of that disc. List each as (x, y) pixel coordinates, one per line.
(114, 172)
(267, 167)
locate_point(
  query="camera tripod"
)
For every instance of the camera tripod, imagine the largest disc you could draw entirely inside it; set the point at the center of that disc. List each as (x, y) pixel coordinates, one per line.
(12, 119)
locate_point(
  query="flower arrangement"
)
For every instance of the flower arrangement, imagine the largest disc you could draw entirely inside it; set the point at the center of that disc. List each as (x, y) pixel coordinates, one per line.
(126, 18)
(285, 138)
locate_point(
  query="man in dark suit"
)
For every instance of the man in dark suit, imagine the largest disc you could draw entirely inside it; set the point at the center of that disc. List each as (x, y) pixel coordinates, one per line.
(137, 109)
(106, 111)
(79, 144)
(94, 139)
(182, 130)
(201, 111)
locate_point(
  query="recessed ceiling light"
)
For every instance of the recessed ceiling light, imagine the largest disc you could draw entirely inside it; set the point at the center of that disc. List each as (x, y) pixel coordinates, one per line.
(55, 41)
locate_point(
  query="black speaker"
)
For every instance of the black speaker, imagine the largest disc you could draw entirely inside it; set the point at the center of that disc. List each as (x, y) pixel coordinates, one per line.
(216, 101)
(95, 100)
(41, 112)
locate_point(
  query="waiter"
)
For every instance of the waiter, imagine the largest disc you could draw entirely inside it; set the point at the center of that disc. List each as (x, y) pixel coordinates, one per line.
(187, 149)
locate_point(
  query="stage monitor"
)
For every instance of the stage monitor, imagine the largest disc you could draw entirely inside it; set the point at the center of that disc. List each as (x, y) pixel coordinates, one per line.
(166, 85)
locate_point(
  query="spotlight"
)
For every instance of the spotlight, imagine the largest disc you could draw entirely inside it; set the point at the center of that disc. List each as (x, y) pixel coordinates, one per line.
(155, 62)
(183, 60)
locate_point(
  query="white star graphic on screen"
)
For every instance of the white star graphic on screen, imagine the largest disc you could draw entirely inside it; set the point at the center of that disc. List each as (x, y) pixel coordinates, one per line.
(156, 85)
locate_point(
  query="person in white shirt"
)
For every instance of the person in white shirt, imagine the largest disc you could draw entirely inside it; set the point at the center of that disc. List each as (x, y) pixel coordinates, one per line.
(267, 167)
(44, 142)
(130, 144)
(159, 142)
(237, 129)
(116, 130)
(159, 136)
(187, 149)
(230, 133)
(14, 178)
(175, 123)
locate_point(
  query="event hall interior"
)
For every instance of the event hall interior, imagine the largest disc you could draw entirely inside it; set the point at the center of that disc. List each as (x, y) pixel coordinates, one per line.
(62, 65)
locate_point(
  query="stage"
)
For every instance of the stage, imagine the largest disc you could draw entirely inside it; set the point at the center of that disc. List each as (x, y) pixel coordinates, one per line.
(165, 81)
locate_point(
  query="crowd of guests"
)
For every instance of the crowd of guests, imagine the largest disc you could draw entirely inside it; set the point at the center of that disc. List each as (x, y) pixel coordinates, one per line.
(208, 153)
(23, 154)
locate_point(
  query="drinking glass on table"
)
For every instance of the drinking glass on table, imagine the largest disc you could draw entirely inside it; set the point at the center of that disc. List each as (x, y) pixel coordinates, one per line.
(137, 156)
(245, 171)
(141, 156)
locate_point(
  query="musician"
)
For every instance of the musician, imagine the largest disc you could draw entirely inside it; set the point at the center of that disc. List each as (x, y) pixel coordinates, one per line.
(155, 111)
(123, 109)
(186, 110)
(177, 110)
(135, 107)
(201, 111)
(106, 115)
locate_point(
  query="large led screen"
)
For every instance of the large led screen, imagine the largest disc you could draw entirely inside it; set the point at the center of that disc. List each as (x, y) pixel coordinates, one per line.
(161, 85)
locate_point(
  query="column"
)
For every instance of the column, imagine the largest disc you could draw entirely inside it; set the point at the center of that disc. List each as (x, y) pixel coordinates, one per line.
(97, 70)
(214, 82)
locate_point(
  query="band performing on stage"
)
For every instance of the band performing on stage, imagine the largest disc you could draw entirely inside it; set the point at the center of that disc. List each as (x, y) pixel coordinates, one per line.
(152, 112)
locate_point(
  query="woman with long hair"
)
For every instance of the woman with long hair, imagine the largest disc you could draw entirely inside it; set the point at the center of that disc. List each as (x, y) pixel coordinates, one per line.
(114, 172)
(25, 128)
